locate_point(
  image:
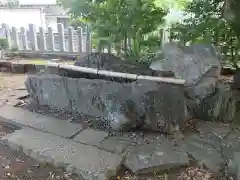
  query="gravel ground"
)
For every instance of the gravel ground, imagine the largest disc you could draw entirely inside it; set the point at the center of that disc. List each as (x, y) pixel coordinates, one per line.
(17, 166)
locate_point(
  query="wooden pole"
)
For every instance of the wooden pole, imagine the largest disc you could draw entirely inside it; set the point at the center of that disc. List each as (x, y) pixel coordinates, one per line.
(118, 74)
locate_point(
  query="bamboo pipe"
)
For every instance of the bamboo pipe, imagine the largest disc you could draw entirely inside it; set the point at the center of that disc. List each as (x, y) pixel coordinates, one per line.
(117, 74)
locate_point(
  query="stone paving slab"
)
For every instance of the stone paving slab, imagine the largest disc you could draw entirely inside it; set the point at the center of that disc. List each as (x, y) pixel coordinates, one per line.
(91, 137)
(123, 143)
(22, 117)
(117, 145)
(234, 165)
(231, 143)
(203, 152)
(156, 156)
(215, 143)
(88, 162)
(219, 129)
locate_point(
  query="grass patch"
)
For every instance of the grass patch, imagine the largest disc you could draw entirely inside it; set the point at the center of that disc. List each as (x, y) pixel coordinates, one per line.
(44, 61)
(39, 62)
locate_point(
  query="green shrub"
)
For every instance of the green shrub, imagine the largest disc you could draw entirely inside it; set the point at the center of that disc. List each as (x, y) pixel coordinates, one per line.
(3, 43)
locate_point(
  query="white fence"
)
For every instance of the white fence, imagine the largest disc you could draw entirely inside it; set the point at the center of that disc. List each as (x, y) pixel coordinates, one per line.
(37, 40)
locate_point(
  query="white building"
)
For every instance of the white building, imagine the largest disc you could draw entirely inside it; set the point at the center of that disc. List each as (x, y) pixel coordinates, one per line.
(45, 15)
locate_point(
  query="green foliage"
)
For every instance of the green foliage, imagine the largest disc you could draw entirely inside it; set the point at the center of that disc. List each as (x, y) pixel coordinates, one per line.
(3, 43)
(115, 21)
(232, 14)
(206, 23)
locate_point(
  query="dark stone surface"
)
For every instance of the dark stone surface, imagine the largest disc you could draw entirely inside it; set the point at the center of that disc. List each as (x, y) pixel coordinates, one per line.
(141, 104)
(214, 146)
(221, 106)
(154, 98)
(234, 165)
(156, 156)
(106, 61)
(198, 64)
(236, 78)
(204, 153)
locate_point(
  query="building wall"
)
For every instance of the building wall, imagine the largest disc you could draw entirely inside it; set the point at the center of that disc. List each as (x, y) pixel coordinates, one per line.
(51, 21)
(20, 17)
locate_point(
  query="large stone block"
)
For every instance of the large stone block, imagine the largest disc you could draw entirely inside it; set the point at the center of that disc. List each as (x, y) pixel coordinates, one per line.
(198, 64)
(157, 102)
(116, 106)
(53, 92)
(221, 106)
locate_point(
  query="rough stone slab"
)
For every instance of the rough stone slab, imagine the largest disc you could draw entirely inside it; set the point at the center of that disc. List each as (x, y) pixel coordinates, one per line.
(221, 135)
(204, 151)
(44, 123)
(231, 143)
(156, 156)
(53, 92)
(123, 143)
(234, 165)
(91, 136)
(88, 161)
(117, 145)
(219, 129)
(214, 139)
(112, 105)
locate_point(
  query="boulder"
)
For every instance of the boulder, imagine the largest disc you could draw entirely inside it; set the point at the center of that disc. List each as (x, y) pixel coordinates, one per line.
(159, 101)
(113, 106)
(220, 106)
(199, 65)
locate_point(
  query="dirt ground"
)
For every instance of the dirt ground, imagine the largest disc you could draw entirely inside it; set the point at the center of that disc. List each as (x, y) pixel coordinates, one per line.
(11, 85)
(17, 166)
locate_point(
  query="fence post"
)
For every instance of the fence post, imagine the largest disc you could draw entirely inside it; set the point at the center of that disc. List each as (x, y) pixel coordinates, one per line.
(109, 48)
(8, 34)
(50, 39)
(70, 39)
(33, 37)
(61, 37)
(24, 39)
(42, 39)
(79, 39)
(15, 38)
